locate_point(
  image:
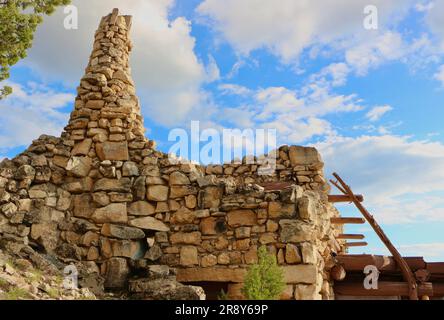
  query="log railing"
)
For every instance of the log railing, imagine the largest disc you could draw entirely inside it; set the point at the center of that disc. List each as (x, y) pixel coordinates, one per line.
(411, 285)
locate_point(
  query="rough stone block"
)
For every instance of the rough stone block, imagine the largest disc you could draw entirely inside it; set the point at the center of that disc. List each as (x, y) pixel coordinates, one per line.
(112, 213)
(112, 151)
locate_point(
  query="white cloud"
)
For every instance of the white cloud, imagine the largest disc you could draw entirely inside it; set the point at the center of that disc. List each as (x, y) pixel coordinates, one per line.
(30, 111)
(377, 112)
(376, 50)
(440, 75)
(434, 20)
(168, 74)
(287, 27)
(396, 174)
(432, 252)
(233, 89)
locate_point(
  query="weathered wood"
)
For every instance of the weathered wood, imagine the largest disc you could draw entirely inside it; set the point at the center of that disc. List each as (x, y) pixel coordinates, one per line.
(343, 198)
(405, 269)
(276, 186)
(338, 273)
(355, 244)
(347, 220)
(435, 267)
(357, 262)
(351, 236)
(422, 275)
(385, 288)
(438, 289)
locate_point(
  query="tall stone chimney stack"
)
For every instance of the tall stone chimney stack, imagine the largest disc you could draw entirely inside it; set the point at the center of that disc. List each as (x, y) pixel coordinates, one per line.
(106, 121)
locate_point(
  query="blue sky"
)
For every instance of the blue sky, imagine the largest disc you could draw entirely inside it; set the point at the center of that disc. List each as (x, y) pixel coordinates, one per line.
(370, 100)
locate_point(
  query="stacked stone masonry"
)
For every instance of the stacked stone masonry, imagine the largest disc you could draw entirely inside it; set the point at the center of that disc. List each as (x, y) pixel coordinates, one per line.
(101, 193)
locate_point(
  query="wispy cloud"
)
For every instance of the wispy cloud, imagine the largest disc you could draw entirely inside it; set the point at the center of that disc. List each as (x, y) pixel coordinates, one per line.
(31, 110)
(377, 112)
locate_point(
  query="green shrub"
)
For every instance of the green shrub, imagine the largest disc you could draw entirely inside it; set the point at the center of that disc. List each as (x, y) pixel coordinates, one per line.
(265, 279)
(16, 294)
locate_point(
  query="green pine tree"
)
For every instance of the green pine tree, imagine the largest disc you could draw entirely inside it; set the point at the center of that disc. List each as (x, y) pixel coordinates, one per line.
(18, 22)
(265, 279)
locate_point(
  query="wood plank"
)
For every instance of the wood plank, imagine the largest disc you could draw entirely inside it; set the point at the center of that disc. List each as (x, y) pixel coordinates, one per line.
(351, 236)
(277, 186)
(435, 267)
(385, 288)
(355, 244)
(347, 220)
(344, 198)
(338, 273)
(438, 289)
(357, 262)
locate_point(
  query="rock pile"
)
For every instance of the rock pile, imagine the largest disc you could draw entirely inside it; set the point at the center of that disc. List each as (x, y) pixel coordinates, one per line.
(102, 194)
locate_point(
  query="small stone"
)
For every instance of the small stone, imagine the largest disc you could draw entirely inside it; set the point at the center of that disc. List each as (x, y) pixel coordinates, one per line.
(272, 226)
(251, 255)
(25, 172)
(306, 208)
(306, 292)
(292, 255)
(186, 238)
(101, 198)
(9, 209)
(267, 238)
(112, 151)
(113, 213)
(130, 169)
(154, 253)
(178, 178)
(79, 166)
(122, 232)
(190, 201)
(149, 223)
(237, 218)
(141, 208)
(157, 193)
(39, 161)
(117, 271)
(303, 155)
(211, 197)
(223, 258)
(117, 185)
(82, 148)
(183, 216)
(242, 232)
(188, 256)
(309, 255)
(209, 261)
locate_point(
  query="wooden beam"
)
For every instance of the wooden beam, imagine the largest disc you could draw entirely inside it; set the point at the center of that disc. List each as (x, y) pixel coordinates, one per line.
(357, 262)
(438, 289)
(355, 244)
(351, 236)
(338, 273)
(385, 288)
(422, 275)
(435, 267)
(346, 220)
(344, 198)
(405, 269)
(276, 186)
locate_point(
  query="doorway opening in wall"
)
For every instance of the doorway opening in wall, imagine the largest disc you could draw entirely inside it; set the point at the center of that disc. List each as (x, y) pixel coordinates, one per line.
(213, 290)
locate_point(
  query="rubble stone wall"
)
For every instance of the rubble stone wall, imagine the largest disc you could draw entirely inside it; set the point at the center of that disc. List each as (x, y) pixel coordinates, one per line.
(101, 193)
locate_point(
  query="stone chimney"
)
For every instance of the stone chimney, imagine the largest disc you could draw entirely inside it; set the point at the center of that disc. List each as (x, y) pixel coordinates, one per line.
(107, 122)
